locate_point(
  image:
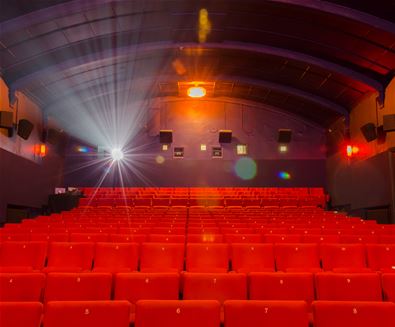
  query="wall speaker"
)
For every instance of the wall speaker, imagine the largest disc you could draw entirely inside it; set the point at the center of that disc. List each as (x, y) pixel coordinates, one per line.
(389, 123)
(166, 136)
(369, 132)
(225, 136)
(284, 136)
(25, 128)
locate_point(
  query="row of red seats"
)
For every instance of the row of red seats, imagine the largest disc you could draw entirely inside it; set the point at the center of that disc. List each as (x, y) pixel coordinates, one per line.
(133, 286)
(199, 257)
(141, 235)
(198, 313)
(204, 202)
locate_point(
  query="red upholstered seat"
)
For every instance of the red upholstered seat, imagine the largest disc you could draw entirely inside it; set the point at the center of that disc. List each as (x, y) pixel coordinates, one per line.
(252, 257)
(21, 286)
(116, 257)
(351, 313)
(207, 257)
(20, 314)
(87, 314)
(265, 313)
(197, 313)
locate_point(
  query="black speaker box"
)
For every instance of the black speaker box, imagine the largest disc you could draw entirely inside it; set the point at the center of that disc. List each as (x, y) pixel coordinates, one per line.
(284, 136)
(6, 119)
(25, 128)
(389, 123)
(369, 132)
(225, 136)
(166, 136)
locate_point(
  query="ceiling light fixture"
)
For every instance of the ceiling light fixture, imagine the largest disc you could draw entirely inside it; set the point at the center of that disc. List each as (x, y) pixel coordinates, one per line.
(196, 91)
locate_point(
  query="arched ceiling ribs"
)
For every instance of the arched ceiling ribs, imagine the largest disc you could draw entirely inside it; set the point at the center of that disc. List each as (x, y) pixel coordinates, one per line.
(142, 49)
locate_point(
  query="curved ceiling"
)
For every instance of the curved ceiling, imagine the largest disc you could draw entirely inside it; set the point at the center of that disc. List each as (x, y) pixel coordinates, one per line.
(316, 59)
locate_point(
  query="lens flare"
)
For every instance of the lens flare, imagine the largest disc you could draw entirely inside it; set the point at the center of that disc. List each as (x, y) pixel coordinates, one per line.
(160, 160)
(284, 175)
(117, 154)
(246, 168)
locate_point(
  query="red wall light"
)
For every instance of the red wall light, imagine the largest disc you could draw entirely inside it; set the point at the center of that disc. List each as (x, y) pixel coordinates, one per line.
(40, 150)
(352, 150)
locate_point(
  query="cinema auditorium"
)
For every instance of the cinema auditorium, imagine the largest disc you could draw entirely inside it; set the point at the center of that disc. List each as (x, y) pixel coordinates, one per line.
(197, 163)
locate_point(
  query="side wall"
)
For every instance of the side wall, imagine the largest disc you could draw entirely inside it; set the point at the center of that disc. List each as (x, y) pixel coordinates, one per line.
(25, 179)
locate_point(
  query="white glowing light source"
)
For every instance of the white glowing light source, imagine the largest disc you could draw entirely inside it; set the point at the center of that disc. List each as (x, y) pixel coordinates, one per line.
(196, 92)
(117, 154)
(283, 148)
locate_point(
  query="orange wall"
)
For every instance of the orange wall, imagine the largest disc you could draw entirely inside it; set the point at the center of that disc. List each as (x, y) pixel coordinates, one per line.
(364, 113)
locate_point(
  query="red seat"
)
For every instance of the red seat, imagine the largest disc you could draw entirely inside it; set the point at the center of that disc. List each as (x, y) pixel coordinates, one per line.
(146, 286)
(207, 257)
(347, 314)
(70, 257)
(348, 287)
(168, 238)
(205, 238)
(265, 313)
(87, 314)
(162, 257)
(22, 256)
(20, 314)
(252, 257)
(50, 237)
(388, 282)
(78, 286)
(21, 286)
(243, 238)
(88, 237)
(297, 257)
(215, 286)
(128, 238)
(381, 257)
(282, 238)
(116, 257)
(343, 257)
(154, 313)
(281, 286)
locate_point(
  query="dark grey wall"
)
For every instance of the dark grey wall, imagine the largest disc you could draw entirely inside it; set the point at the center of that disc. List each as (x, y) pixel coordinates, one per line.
(25, 182)
(359, 183)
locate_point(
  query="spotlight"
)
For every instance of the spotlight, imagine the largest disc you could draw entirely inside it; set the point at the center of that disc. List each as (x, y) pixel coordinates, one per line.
(196, 92)
(117, 154)
(283, 148)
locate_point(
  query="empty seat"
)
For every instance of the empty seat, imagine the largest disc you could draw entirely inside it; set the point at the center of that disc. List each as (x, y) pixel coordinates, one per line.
(243, 238)
(381, 257)
(215, 286)
(21, 286)
(88, 237)
(174, 313)
(347, 314)
(50, 237)
(348, 287)
(87, 314)
(162, 257)
(297, 257)
(343, 257)
(168, 238)
(388, 283)
(22, 256)
(20, 314)
(128, 238)
(69, 257)
(146, 286)
(205, 238)
(318, 238)
(78, 286)
(282, 238)
(281, 286)
(252, 257)
(116, 257)
(207, 257)
(252, 313)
